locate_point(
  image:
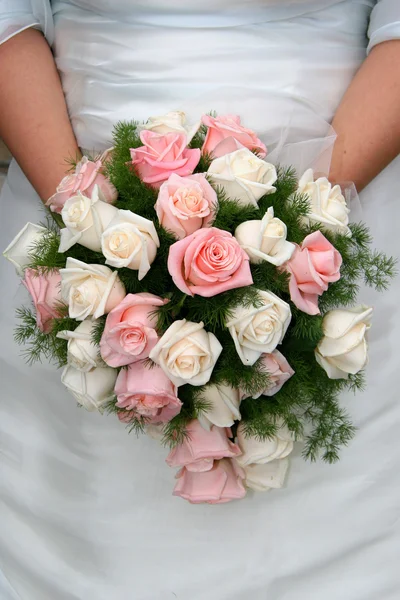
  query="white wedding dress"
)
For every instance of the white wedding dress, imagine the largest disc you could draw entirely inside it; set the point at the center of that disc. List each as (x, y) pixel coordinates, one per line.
(86, 511)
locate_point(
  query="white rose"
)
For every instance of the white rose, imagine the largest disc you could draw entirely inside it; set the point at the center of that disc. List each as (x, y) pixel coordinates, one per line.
(130, 241)
(83, 354)
(92, 389)
(224, 402)
(17, 252)
(85, 219)
(174, 121)
(260, 452)
(344, 349)
(187, 353)
(258, 330)
(328, 205)
(90, 289)
(243, 176)
(265, 239)
(271, 475)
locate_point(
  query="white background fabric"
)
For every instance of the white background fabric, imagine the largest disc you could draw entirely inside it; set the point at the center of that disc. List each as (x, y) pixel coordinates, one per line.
(86, 510)
(15, 15)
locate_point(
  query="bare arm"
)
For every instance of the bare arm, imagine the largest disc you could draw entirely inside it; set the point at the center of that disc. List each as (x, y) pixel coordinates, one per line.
(34, 121)
(368, 119)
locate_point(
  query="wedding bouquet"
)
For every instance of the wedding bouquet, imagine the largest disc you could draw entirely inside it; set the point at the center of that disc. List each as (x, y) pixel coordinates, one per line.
(203, 296)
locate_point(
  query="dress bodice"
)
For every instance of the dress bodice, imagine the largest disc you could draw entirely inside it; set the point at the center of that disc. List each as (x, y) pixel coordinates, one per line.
(125, 60)
(221, 11)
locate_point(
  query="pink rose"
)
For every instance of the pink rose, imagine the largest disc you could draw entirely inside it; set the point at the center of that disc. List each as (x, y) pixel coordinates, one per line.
(147, 393)
(126, 416)
(225, 134)
(162, 155)
(208, 262)
(45, 289)
(87, 175)
(185, 204)
(279, 372)
(313, 265)
(222, 483)
(201, 447)
(129, 334)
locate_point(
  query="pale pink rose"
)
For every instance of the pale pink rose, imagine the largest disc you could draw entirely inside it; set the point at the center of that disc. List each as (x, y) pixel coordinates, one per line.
(87, 174)
(185, 204)
(314, 265)
(208, 262)
(162, 155)
(45, 289)
(147, 393)
(129, 334)
(201, 447)
(126, 416)
(226, 134)
(279, 372)
(222, 483)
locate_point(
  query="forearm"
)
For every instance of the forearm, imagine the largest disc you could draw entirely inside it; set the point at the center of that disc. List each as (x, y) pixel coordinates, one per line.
(367, 121)
(34, 120)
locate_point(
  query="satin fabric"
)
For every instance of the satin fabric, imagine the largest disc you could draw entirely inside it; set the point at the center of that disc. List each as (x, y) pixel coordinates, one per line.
(17, 15)
(86, 510)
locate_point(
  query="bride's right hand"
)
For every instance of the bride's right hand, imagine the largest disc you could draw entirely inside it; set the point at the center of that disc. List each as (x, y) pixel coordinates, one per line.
(34, 121)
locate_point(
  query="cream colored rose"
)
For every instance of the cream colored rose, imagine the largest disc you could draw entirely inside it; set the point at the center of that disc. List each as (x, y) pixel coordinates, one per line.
(328, 205)
(17, 252)
(265, 240)
(258, 330)
(187, 353)
(260, 452)
(90, 290)
(174, 121)
(92, 389)
(243, 176)
(130, 241)
(85, 219)
(344, 349)
(224, 402)
(83, 354)
(271, 475)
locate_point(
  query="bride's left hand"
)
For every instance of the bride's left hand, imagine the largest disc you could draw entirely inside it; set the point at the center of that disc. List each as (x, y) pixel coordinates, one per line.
(367, 121)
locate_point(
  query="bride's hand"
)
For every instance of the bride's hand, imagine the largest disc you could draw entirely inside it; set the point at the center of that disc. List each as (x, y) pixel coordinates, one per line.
(368, 119)
(34, 120)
